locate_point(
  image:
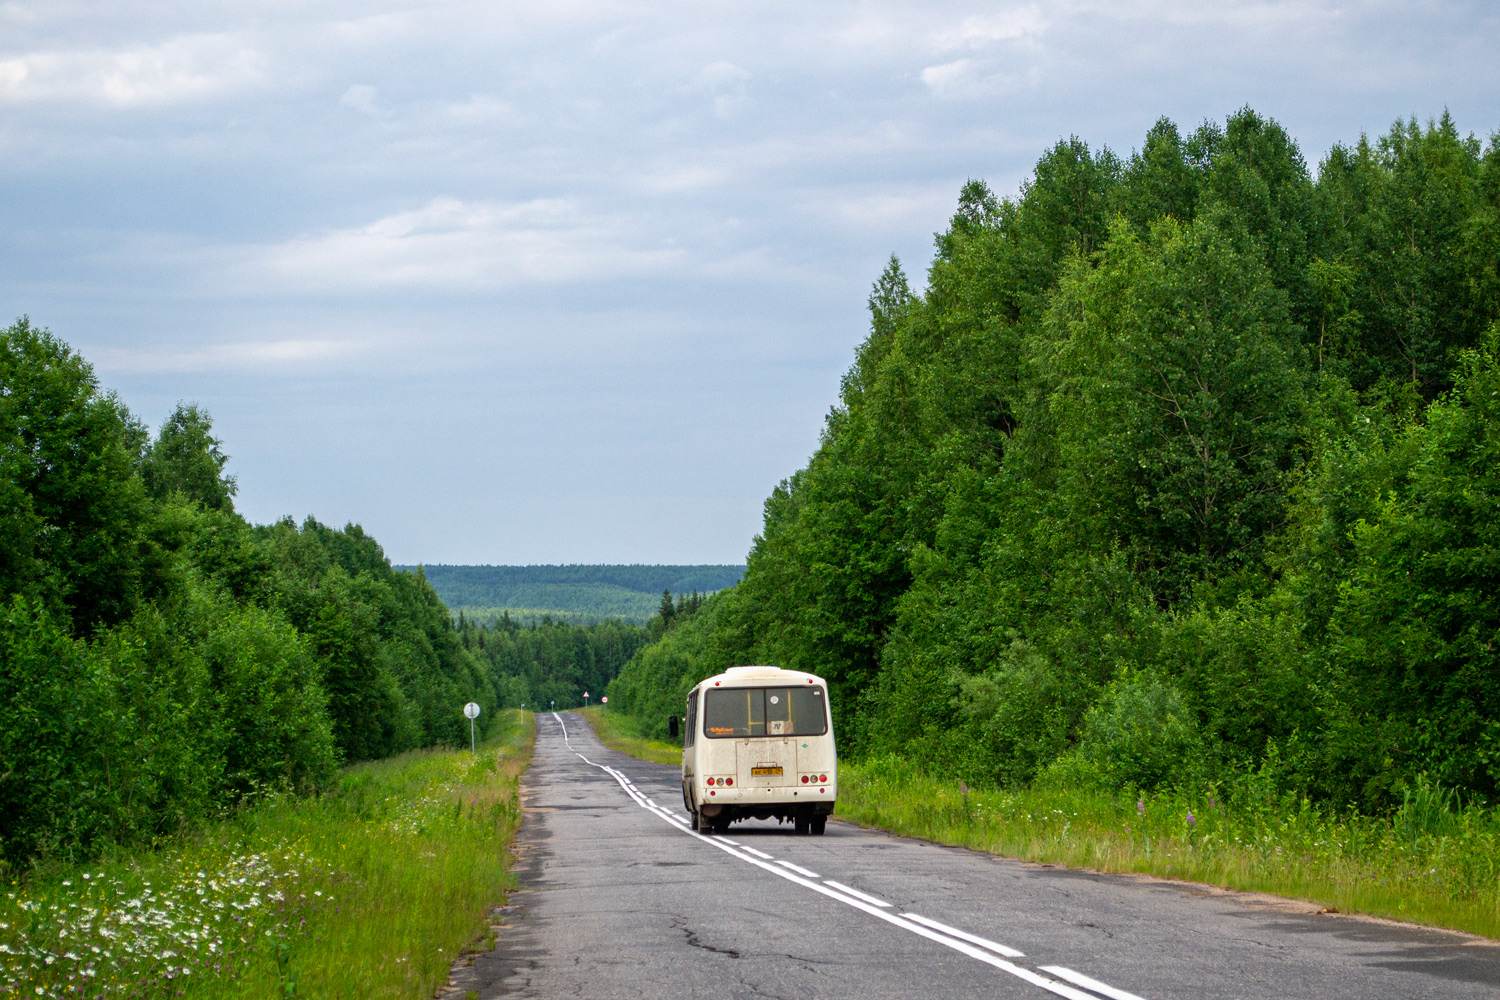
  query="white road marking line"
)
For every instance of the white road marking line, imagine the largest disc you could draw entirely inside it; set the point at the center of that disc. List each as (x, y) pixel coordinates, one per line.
(796, 868)
(997, 948)
(854, 892)
(1079, 979)
(963, 947)
(747, 847)
(736, 843)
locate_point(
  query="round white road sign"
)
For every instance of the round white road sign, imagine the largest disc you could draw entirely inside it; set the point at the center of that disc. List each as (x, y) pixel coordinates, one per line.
(472, 709)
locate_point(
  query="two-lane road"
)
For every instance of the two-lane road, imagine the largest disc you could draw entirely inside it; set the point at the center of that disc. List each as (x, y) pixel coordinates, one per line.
(620, 899)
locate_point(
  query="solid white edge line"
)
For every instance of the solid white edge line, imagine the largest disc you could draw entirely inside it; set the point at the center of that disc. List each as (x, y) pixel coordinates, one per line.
(954, 943)
(994, 946)
(1079, 979)
(797, 868)
(747, 847)
(856, 893)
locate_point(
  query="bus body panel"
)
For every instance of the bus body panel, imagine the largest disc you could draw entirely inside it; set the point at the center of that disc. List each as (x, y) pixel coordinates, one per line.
(727, 777)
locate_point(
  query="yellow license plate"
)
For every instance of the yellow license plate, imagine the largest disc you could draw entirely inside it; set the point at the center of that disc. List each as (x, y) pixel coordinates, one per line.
(757, 771)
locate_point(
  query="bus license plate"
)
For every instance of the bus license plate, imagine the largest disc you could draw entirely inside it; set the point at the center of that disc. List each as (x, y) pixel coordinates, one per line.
(765, 770)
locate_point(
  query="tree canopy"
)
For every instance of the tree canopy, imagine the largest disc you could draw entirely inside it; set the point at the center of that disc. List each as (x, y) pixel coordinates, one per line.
(1179, 470)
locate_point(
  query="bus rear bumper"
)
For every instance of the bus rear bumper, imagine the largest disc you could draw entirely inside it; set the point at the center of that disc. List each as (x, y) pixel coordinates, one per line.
(793, 810)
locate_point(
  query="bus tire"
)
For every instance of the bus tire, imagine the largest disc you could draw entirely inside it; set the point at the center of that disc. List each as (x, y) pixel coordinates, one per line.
(818, 825)
(801, 826)
(693, 822)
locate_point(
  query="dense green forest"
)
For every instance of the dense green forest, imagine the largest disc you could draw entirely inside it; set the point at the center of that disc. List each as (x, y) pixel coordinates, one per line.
(578, 593)
(1184, 470)
(548, 663)
(160, 657)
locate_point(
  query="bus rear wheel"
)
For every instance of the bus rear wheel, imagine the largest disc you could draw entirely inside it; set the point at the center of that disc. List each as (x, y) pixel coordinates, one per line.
(802, 826)
(818, 825)
(693, 821)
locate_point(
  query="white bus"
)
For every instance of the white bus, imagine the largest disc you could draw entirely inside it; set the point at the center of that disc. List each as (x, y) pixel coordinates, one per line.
(758, 742)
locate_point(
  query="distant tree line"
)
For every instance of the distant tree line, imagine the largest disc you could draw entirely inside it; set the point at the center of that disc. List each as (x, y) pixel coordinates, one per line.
(546, 663)
(1184, 469)
(568, 588)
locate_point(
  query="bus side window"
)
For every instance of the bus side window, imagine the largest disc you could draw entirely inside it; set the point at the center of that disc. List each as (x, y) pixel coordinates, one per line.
(692, 720)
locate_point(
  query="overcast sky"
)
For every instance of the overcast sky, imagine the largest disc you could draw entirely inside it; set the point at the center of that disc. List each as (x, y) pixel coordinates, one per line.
(575, 280)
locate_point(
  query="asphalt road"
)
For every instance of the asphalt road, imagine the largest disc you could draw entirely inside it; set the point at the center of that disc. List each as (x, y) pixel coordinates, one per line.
(620, 899)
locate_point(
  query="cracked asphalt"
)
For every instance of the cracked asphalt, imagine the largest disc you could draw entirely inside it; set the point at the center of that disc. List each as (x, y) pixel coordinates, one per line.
(616, 901)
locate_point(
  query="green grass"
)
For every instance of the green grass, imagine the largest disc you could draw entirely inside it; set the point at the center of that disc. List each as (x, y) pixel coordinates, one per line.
(1432, 864)
(619, 732)
(370, 891)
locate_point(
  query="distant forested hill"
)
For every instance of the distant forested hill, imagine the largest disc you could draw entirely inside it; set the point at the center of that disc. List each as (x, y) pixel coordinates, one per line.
(570, 593)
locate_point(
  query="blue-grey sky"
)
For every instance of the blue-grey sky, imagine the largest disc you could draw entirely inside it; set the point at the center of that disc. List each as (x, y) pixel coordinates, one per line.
(575, 280)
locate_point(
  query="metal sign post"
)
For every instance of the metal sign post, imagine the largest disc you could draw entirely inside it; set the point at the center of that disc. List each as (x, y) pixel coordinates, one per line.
(472, 711)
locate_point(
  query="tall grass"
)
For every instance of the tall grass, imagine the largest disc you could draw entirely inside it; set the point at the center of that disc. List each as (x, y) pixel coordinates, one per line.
(370, 891)
(622, 733)
(1433, 863)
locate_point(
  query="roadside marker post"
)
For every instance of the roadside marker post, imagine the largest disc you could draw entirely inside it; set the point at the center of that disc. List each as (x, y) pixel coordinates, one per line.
(472, 711)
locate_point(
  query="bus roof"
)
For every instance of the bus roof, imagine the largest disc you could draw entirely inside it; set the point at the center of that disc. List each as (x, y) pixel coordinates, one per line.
(759, 677)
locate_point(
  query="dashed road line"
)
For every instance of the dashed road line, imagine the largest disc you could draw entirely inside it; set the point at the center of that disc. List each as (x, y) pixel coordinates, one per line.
(1079, 979)
(975, 947)
(855, 892)
(994, 946)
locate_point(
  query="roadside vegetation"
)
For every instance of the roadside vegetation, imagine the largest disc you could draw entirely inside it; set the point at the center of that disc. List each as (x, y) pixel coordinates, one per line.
(369, 890)
(162, 659)
(622, 733)
(1178, 478)
(1432, 862)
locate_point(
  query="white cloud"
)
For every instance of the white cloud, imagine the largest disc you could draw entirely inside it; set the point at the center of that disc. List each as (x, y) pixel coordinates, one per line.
(982, 30)
(676, 177)
(479, 109)
(185, 68)
(967, 78)
(360, 97)
(458, 245)
(722, 75)
(949, 76)
(280, 355)
(726, 82)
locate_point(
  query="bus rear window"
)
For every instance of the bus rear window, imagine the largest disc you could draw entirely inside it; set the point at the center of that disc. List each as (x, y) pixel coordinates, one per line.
(741, 712)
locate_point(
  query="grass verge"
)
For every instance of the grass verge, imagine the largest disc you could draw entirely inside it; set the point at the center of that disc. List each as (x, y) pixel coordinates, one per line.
(619, 732)
(369, 891)
(1432, 864)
